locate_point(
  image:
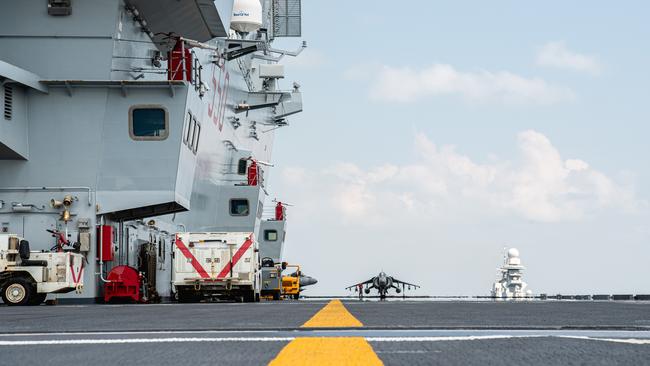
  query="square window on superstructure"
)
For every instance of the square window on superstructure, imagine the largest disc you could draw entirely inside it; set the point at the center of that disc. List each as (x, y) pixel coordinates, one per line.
(239, 207)
(270, 235)
(148, 123)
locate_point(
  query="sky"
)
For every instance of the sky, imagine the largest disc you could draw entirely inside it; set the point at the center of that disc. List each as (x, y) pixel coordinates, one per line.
(434, 134)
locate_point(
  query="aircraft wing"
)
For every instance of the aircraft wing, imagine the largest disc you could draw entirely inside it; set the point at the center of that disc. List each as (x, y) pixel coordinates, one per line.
(395, 280)
(360, 283)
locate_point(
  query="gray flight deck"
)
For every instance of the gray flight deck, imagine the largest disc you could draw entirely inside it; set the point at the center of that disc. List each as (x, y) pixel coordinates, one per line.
(526, 314)
(400, 332)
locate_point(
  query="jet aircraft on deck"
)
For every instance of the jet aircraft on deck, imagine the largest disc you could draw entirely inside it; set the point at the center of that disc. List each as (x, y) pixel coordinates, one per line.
(382, 283)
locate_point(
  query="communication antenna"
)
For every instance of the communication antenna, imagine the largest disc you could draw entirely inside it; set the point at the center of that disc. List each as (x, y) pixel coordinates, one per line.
(282, 202)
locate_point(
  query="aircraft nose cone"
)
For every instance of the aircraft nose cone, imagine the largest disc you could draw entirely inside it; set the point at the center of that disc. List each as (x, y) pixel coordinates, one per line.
(307, 281)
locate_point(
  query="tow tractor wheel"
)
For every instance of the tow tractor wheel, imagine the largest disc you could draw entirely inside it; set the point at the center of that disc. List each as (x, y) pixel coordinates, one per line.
(37, 298)
(17, 291)
(248, 296)
(187, 296)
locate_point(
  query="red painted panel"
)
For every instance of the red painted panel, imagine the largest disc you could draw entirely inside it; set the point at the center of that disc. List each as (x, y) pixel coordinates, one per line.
(105, 242)
(179, 60)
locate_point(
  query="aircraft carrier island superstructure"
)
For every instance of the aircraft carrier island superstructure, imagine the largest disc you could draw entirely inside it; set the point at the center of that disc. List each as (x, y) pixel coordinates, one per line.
(126, 122)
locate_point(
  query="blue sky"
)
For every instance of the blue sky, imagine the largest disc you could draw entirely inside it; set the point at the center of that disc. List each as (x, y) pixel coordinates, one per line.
(448, 130)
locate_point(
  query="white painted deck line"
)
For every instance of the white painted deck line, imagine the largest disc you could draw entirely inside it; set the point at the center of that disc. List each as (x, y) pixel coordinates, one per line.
(615, 340)
(63, 342)
(50, 342)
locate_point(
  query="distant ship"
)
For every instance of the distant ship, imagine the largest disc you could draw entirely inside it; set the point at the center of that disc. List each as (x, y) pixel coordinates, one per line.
(509, 284)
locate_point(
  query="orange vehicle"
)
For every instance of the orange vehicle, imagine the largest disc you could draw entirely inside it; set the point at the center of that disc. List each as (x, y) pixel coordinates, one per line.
(291, 283)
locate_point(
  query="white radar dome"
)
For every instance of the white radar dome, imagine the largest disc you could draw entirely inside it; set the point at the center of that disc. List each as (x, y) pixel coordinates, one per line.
(513, 253)
(246, 16)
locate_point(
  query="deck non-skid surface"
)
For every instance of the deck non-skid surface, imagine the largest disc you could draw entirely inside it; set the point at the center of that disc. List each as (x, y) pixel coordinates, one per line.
(337, 350)
(294, 333)
(493, 314)
(293, 314)
(173, 316)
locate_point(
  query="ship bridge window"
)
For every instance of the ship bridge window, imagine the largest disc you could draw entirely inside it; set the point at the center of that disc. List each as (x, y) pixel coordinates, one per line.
(8, 101)
(148, 122)
(239, 207)
(241, 166)
(270, 235)
(260, 209)
(188, 131)
(196, 132)
(192, 133)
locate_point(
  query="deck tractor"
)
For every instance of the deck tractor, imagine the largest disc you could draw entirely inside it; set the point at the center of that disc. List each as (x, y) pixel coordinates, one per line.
(27, 277)
(222, 265)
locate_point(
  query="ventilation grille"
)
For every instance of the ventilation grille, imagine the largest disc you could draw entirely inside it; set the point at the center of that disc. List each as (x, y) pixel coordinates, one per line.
(8, 101)
(286, 18)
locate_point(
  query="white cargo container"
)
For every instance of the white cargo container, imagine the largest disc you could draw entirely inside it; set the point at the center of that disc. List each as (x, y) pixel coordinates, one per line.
(27, 277)
(222, 265)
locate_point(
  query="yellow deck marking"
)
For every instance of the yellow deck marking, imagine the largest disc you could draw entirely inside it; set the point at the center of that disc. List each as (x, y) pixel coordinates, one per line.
(328, 350)
(334, 314)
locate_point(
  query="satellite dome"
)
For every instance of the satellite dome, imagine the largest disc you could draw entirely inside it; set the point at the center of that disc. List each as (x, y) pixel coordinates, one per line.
(513, 253)
(246, 16)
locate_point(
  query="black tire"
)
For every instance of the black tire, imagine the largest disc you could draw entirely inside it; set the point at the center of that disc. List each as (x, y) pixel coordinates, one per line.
(276, 295)
(249, 296)
(296, 296)
(37, 298)
(17, 291)
(187, 297)
(257, 297)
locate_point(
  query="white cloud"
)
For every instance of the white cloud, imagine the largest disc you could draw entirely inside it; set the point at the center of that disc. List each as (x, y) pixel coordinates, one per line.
(556, 54)
(405, 84)
(448, 215)
(540, 186)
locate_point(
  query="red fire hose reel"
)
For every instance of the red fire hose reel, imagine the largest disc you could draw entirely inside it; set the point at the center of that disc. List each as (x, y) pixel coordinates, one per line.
(124, 284)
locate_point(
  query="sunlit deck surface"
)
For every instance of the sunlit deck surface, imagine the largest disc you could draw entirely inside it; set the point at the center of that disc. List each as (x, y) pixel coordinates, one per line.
(399, 332)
